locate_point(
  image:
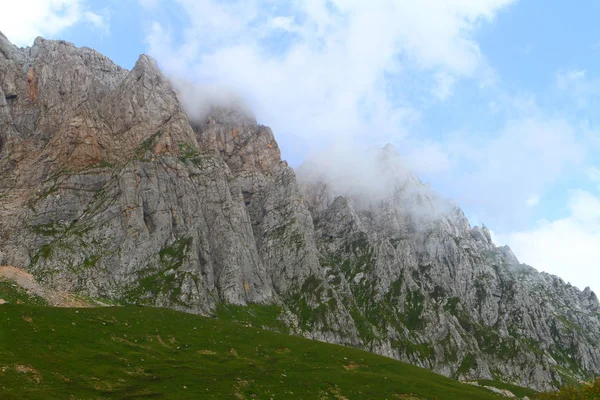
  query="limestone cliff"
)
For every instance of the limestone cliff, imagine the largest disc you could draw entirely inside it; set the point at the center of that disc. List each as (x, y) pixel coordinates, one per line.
(107, 189)
(425, 287)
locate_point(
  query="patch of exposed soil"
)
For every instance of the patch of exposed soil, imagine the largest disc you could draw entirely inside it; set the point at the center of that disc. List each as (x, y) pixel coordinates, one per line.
(28, 282)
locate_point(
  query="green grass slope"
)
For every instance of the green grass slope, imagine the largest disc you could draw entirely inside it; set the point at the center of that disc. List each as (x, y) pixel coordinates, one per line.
(518, 391)
(137, 353)
(12, 293)
(587, 391)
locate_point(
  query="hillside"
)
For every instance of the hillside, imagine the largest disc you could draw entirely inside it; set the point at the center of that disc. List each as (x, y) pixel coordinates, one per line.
(110, 191)
(129, 352)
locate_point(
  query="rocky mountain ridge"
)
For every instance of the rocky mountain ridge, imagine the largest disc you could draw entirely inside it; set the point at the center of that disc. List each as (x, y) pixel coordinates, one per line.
(109, 190)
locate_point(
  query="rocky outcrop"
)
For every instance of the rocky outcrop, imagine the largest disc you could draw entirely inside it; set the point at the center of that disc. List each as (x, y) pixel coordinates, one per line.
(108, 189)
(282, 226)
(425, 287)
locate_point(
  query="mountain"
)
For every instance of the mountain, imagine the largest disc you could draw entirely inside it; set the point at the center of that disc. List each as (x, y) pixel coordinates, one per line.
(109, 190)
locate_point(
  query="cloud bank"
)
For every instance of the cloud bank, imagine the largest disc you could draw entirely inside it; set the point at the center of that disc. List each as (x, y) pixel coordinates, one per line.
(323, 72)
(321, 69)
(505, 174)
(23, 21)
(567, 247)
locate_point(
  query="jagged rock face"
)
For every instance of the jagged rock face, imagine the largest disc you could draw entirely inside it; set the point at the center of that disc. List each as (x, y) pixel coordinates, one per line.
(281, 223)
(105, 189)
(108, 190)
(426, 288)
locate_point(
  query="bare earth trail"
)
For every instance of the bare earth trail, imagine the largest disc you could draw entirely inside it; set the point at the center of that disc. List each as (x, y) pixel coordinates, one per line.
(26, 281)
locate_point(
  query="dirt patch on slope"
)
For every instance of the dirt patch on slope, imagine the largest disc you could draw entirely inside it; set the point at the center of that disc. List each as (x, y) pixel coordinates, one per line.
(19, 276)
(54, 298)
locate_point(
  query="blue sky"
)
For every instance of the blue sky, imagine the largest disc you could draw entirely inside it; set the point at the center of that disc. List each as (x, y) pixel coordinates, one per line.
(492, 101)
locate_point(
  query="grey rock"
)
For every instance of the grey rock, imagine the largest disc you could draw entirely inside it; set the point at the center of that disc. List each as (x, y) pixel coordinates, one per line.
(432, 291)
(109, 190)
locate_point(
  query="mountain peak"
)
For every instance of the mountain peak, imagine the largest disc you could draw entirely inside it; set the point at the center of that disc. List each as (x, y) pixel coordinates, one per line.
(126, 185)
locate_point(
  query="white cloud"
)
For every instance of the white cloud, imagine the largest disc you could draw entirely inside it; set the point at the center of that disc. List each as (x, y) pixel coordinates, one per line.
(526, 157)
(593, 174)
(533, 200)
(100, 21)
(567, 247)
(445, 82)
(567, 79)
(23, 21)
(284, 23)
(577, 84)
(494, 107)
(369, 176)
(333, 72)
(333, 78)
(149, 4)
(502, 176)
(427, 159)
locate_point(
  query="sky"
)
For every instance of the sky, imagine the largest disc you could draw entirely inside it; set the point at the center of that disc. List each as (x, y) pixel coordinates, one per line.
(490, 101)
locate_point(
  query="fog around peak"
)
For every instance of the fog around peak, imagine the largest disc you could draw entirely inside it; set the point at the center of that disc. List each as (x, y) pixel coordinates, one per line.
(370, 176)
(199, 100)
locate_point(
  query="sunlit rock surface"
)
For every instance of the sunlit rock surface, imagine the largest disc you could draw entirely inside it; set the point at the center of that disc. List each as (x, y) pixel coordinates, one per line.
(107, 189)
